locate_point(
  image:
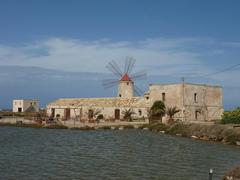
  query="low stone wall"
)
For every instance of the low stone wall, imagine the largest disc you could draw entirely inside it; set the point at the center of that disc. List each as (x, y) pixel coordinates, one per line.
(77, 124)
(14, 120)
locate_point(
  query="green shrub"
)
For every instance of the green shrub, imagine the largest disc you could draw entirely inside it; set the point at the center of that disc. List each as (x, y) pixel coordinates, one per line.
(56, 126)
(158, 127)
(231, 117)
(179, 128)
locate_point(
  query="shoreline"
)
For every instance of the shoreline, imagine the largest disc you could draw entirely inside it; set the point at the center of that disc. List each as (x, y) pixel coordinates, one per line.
(225, 134)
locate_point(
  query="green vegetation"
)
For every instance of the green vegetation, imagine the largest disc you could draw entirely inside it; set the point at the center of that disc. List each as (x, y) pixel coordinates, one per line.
(217, 132)
(83, 128)
(56, 126)
(127, 114)
(171, 111)
(157, 111)
(231, 117)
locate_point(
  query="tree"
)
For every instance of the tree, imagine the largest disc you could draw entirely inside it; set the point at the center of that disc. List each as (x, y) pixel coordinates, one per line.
(127, 114)
(171, 111)
(93, 113)
(157, 111)
(231, 116)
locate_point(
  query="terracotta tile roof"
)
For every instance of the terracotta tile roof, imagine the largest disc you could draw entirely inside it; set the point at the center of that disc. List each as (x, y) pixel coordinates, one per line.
(126, 77)
(138, 102)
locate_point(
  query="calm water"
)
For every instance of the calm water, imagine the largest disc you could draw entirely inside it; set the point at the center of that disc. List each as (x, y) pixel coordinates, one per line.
(130, 154)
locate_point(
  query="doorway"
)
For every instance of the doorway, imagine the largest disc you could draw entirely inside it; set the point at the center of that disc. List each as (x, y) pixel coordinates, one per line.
(117, 114)
(67, 114)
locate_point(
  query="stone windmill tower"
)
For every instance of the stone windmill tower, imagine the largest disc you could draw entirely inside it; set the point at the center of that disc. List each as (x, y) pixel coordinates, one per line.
(124, 79)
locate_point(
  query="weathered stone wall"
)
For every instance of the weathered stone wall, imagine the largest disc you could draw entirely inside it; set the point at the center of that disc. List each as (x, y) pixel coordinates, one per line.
(196, 102)
(79, 108)
(25, 104)
(125, 89)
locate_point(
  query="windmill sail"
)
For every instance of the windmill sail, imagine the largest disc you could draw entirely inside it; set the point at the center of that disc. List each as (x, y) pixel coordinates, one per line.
(124, 75)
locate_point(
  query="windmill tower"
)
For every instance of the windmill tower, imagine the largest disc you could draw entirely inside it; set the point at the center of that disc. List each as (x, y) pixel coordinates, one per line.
(124, 79)
(126, 87)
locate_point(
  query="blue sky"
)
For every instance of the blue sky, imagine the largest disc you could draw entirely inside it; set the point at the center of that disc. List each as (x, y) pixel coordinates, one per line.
(169, 39)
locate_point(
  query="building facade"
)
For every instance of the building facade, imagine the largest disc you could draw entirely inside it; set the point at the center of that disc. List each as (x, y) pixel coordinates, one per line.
(196, 102)
(25, 105)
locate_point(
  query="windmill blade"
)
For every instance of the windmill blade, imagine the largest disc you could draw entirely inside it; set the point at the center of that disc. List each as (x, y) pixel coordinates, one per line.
(140, 75)
(129, 64)
(108, 83)
(138, 91)
(114, 68)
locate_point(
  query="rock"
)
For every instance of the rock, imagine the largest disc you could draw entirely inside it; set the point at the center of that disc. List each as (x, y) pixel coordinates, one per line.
(145, 128)
(238, 143)
(163, 132)
(233, 174)
(178, 134)
(121, 128)
(194, 137)
(113, 128)
(136, 126)
(204, 138)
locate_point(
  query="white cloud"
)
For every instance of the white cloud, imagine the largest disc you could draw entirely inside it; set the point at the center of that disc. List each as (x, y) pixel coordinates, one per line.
(160, 56)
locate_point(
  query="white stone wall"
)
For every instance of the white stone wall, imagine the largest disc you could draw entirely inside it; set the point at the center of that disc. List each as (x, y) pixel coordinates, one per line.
(125, 89)
(107, 112)
(25, 104)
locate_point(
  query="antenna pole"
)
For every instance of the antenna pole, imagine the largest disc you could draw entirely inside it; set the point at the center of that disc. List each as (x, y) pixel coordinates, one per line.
(183, 98)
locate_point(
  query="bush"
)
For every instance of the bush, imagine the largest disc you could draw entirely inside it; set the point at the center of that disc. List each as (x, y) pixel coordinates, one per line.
(56, 126)
(179, 128)
(231, 117)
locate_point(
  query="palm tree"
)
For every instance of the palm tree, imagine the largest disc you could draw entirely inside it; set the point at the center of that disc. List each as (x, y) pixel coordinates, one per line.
(127, 114)
(171, 111)
(157, 111)
(93, 113)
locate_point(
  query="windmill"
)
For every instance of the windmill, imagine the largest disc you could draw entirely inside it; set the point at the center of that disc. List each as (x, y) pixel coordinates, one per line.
(124, 78)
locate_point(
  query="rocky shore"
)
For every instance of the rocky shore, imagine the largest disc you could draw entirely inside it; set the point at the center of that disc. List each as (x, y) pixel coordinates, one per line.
(227, 134)
(234, 174)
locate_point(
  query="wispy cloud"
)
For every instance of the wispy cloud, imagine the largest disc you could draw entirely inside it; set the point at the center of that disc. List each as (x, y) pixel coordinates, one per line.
(160, 56)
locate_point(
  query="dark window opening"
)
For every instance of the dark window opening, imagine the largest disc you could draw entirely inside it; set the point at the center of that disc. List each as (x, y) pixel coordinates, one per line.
(120, 95)
(90, 114)
(163, 96)
(140, 112)
(195, 97)
(147, 97)
(127, 83)
(19, 109)
(196, 115)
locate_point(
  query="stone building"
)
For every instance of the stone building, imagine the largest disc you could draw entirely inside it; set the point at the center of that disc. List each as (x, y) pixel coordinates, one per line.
(25, 105)
(197, 102)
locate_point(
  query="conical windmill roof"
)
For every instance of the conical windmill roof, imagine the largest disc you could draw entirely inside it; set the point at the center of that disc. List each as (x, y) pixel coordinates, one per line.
(125, 77)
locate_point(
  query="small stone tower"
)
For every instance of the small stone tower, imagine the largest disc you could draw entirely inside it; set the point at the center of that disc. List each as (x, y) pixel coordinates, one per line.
(126, 87)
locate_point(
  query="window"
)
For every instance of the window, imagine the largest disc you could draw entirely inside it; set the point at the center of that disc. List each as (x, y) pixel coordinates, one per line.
(195, 97)
(196, 115)
(163, 96)
(140, 112)
(120, 95)
(147, 97)
(90, 114)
